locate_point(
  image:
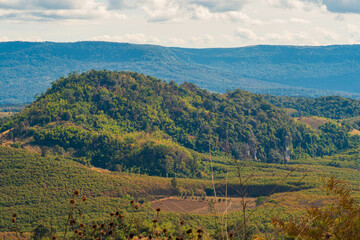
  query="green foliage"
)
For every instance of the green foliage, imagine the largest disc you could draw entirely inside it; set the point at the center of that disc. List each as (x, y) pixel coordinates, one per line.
(139, 124)
(339, 220)
(333, 107)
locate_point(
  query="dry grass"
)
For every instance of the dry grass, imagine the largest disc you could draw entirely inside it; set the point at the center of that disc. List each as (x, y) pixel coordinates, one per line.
(313, 122)
(180, 205)
(6, 114)
(355, 132)
(12, 236)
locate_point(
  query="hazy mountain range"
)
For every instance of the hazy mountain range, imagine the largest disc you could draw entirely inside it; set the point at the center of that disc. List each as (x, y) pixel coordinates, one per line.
(28, 68)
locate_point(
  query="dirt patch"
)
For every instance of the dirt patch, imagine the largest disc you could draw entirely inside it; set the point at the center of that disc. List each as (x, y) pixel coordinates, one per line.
(6, 114)
(13, 236)
(355, 132)
(180, 205)
(313, 122)
(100, 170)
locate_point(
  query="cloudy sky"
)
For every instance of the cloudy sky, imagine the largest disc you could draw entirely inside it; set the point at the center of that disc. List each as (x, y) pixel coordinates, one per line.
(184, 23)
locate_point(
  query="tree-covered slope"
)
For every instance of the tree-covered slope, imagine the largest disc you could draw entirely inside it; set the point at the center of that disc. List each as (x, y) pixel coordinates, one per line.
(133, 122)
(334, 107)
(28, 68)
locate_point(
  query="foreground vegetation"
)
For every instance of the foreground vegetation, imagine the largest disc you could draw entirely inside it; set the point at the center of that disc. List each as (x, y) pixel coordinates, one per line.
(163, 140)
(38, 189)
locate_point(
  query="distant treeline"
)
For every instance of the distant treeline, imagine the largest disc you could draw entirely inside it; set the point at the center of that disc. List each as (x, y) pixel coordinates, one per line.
(334, 107)
(12, 107)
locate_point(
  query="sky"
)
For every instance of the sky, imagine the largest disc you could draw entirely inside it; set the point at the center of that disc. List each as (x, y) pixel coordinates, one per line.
(183, 23)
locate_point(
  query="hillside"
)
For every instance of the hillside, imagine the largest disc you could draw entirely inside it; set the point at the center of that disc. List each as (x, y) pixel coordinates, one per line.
(130, 122)
(29, 68)
(333, 107)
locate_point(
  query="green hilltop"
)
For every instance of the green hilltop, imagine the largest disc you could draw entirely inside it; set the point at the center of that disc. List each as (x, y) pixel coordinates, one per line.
(127, 121)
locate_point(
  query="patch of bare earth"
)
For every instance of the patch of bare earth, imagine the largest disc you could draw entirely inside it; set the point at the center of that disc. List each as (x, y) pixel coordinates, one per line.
(6, 114)
(355, 132)
(175, 204)
(313, 122)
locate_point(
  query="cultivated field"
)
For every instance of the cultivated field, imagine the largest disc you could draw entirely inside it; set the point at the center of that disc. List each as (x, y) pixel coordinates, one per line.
(198, 206)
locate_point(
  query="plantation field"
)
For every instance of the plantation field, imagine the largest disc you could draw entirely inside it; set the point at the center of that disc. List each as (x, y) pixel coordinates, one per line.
(199, 206)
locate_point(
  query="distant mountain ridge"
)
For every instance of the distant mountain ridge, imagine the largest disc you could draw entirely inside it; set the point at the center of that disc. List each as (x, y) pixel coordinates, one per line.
(28, 68)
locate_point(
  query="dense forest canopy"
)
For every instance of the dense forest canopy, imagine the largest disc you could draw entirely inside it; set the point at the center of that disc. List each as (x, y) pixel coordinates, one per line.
(132, 122)
(334, 107)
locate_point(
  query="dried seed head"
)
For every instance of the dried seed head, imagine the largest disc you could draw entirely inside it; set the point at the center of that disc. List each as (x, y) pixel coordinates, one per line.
(199, 236)
(102, 225)
(72, 201)
(189, 231)
(131, 236)
(94, 226)
(112, 214)
(199, 231)
(54, 237)
(72, 221)
(81, 225)
(165, 230)
(110, 232)
(84, 198)
(231, 235)
(150, 236)
(111, 224)
(117, 213)
(137, 206)
(155, 221)
(14, 215)
(76, 193)
(131, 201)
(158, 209)
(76, 231)
(13, 220)
(182, 222)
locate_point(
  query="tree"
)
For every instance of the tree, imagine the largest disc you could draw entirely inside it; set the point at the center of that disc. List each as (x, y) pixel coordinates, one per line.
(339, 220)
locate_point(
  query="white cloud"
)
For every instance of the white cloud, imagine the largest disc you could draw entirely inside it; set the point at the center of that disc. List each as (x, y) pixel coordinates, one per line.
(44, 10)
(353, 30)
(220, 5)
(138, 38)
(245, 34)
(299, 20)
(203, 40)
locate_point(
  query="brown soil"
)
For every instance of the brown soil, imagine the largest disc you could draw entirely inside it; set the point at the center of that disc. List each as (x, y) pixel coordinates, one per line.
(175, 204)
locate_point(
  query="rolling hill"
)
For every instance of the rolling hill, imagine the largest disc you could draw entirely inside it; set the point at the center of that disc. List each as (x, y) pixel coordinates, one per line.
(28, 68)
(131, 122)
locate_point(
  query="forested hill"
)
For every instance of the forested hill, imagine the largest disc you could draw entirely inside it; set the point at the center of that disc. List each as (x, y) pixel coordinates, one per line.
(125, 120)
(28, 68)
(334, 107)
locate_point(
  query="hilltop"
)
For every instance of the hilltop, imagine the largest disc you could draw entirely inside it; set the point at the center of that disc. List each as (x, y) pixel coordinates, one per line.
(28, 68)
(127, 121)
